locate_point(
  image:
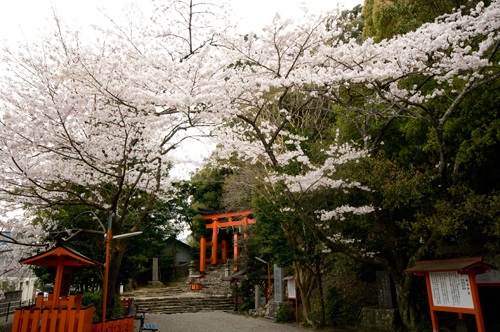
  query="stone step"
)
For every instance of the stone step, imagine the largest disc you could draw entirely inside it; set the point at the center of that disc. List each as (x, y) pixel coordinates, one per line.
(189, 307)
(174, 310)
(178, 298)
(179, 304)
(152, 304)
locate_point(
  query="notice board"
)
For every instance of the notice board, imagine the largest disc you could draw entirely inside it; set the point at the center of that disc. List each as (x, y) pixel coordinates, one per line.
(489, 277)
(450, 289)
(291, 289)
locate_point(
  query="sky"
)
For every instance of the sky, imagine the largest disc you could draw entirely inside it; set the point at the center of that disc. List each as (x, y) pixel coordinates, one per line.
(24, 20)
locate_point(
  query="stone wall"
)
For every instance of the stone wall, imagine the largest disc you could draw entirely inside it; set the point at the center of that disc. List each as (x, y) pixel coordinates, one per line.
(12, 296)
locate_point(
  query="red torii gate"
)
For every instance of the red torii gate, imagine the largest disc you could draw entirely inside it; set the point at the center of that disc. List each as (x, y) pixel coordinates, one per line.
(216, 216)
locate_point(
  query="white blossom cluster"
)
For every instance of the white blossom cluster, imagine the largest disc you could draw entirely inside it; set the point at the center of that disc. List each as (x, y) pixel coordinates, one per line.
(338, 237)
(17, 234)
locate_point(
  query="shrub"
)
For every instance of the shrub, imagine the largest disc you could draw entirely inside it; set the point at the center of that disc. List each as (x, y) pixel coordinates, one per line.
(248, 303)
(285, 314)
(90, 298)
(334, 308)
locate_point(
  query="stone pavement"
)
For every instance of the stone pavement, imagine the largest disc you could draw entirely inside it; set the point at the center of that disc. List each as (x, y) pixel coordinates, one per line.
(219, 321)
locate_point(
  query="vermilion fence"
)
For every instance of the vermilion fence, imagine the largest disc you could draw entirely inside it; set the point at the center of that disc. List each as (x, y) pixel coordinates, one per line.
(53, 319)
(68, 316)
(120, 324)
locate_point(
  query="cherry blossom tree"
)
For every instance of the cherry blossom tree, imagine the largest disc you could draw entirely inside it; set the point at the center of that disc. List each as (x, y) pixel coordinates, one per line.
(95, 123)
(18, 239)
(295, 70)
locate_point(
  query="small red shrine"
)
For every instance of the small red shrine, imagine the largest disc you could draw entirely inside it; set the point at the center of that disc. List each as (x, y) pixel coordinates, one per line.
(234, 219)
(62, 312)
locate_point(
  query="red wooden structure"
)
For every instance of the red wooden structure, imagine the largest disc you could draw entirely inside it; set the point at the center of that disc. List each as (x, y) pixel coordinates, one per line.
(194, 285)
(62, 312)
(238, 275)
(215, 226)
(452, 287)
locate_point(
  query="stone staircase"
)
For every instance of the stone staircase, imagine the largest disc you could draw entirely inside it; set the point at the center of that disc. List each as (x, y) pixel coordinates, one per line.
(213, 284)
(177, 298)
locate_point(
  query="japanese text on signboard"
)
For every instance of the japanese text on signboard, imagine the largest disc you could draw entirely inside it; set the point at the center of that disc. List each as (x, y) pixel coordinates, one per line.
(450, 289)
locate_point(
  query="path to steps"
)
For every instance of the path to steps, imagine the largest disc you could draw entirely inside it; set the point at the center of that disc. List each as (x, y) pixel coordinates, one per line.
(215, 321)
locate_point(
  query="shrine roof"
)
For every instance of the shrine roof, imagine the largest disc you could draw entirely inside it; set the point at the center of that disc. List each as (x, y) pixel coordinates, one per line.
(51, 257)
(236, 275)
(242, 274)
(450, 265)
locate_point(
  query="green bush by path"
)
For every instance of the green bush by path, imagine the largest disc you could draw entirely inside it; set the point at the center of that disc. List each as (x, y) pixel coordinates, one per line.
(285, 314)
(90, 298)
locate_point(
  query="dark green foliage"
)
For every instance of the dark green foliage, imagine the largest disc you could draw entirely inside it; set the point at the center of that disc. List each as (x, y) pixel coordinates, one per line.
(285, 314)
(205, 190)
(90, 298)
(352, 23)
(335, 308)
(386, 19)
(248, 303)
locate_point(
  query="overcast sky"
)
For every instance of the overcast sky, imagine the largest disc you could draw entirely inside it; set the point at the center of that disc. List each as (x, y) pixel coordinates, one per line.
(24, 19)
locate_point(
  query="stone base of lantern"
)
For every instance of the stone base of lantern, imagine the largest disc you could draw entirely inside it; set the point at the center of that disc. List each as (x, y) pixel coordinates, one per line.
(380, 319)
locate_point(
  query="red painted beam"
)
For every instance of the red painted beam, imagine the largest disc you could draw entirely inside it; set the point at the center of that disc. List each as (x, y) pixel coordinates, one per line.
(227, 214)
(231, 223)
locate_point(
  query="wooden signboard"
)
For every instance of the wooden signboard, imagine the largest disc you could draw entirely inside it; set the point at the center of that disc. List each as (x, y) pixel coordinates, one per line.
(489, 278)
(452, 287)
(290, 286)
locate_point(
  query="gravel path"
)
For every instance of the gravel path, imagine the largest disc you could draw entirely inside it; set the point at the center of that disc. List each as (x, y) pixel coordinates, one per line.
(214, 321)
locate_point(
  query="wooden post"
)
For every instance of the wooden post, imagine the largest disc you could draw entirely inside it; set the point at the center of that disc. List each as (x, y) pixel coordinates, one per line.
(224, 251)
(269, 281)
(435, 326)
(106, 271)
(257, 296)
(236, 251)
(203, 253)
(214, 242)
(475, 299)
(245, 225)
(296, 303)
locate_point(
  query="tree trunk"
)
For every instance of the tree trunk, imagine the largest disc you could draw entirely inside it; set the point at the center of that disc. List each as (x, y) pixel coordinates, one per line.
(320, 290)
(407, 304)
(302, 282)
(66, 281)
(116, 253)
